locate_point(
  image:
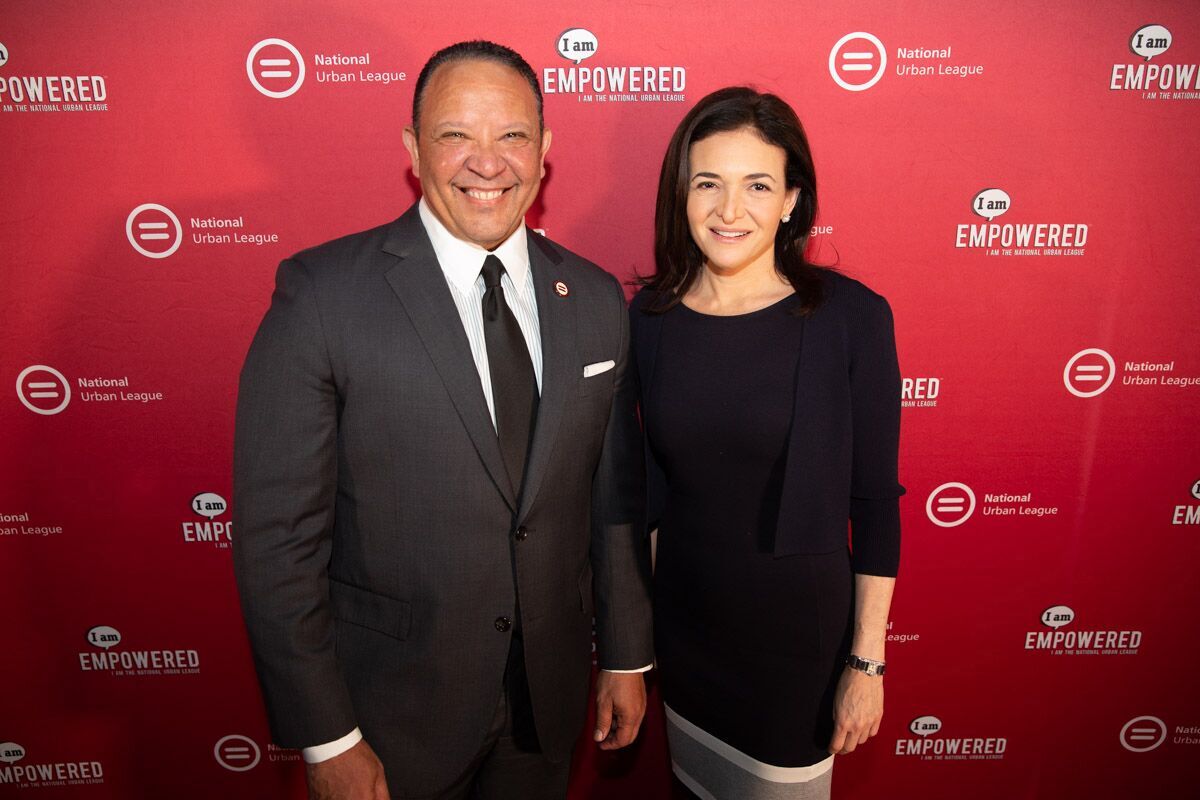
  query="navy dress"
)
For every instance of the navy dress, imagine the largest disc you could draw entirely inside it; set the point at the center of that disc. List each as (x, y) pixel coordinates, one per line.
(749, 645)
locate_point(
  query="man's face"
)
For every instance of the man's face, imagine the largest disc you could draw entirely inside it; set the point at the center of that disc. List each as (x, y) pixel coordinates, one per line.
(480, 153)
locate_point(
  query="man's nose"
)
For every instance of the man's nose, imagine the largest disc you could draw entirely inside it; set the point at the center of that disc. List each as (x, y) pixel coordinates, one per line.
(485, 161)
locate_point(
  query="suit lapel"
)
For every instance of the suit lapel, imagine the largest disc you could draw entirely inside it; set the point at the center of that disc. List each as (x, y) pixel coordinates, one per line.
(556, 321)
(421, 286)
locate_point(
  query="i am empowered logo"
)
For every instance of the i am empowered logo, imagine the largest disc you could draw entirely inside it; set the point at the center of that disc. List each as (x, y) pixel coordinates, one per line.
(1156, 81)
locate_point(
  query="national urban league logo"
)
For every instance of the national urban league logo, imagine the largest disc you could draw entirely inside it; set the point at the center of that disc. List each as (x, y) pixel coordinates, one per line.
(950, 505)
(576, 44)
(1089, 372)
(43, 390)
(857, 61)
(275, 68)
(237, 753)
(153, 230)
(1143, 734)
(3, 54)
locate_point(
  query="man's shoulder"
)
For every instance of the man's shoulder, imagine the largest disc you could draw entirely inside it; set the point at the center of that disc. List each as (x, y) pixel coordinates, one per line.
(581, 270)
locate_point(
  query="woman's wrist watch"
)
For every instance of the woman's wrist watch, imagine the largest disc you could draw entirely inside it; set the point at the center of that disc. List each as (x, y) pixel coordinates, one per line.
(867, 665)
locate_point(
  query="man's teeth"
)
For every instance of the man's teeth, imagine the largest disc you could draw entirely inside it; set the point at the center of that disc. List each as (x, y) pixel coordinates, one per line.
(479, 194)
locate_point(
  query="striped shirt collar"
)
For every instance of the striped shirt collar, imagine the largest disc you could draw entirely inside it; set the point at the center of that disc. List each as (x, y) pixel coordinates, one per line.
(462, 261)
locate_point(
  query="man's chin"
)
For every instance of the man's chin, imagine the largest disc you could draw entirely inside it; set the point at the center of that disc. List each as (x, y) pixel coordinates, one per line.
(489, 236)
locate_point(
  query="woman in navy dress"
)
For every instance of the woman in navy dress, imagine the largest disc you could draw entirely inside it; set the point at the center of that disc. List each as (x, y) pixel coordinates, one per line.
(770, 395)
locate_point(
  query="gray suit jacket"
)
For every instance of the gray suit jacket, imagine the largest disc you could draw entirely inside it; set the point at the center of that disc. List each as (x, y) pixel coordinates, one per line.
(376, 545)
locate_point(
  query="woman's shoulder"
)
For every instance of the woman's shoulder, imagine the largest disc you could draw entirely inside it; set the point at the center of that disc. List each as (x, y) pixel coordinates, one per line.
(643, 297)
(844, 294)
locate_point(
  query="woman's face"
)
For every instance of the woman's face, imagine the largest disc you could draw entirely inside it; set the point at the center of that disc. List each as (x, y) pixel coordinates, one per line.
(736, 197)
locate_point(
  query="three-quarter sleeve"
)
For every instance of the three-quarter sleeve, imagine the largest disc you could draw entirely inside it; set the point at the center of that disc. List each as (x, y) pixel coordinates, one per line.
(875, 410)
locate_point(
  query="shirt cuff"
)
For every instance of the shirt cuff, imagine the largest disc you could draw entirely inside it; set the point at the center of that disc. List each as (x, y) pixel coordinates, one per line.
(646, 668)
(323, 752)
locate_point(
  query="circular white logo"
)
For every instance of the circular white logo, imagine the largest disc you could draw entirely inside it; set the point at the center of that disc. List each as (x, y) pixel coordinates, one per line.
(1196, 490)
(857, 61)
(153, 230)
(576, 44)
(1142, 734)
(275, 68)
(236, 753)
(1149, 41)
(3, 54)
(43, 390)
(11, 752)
(1089, 372)
(950, 505)
(991, 203)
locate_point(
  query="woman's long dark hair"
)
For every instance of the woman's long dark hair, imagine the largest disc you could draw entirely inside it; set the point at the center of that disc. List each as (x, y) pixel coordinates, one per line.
(677, 259)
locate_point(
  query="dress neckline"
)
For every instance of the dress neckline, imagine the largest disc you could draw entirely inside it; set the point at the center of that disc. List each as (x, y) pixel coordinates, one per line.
(786, 298)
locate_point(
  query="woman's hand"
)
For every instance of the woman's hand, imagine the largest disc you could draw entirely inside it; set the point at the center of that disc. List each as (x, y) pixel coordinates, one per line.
(857, 710)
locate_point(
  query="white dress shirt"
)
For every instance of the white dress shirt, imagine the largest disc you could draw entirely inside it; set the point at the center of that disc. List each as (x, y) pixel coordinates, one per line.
(462, 264)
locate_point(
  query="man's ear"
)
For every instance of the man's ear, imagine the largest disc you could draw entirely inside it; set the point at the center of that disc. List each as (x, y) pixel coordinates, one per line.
(410, 144)
(545, 147)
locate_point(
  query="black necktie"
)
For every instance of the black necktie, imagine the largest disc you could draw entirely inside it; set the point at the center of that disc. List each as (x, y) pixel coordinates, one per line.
(514, 386)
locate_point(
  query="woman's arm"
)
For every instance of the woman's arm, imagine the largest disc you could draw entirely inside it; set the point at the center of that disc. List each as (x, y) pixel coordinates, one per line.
(858, 703)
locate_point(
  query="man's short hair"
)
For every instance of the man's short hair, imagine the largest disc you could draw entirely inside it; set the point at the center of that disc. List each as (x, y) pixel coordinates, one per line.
(475, 50)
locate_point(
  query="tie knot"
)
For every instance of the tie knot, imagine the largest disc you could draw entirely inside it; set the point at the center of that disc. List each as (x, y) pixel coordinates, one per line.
(492, 270)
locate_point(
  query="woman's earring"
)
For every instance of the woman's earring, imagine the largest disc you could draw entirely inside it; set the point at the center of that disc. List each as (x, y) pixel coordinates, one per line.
(786, 218)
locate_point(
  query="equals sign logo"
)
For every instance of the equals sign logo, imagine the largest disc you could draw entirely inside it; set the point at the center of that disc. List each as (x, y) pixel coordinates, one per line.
(857, 61)
(153, 230)
(236, 753)
(1089, 372)
(950, 505)
(275, 68)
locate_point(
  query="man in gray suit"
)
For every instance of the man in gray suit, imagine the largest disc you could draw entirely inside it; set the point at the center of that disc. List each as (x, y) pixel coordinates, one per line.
(438, 468)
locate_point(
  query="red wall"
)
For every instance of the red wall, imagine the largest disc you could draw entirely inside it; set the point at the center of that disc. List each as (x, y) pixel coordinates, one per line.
(165, 113)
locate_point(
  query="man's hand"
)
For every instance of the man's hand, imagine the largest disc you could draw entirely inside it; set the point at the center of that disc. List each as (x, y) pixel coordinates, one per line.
(356, 774)
(857, 710)
(620, 706)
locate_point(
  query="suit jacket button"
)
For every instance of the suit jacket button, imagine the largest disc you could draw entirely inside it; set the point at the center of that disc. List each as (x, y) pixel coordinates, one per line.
(503, 624)
(522, 533)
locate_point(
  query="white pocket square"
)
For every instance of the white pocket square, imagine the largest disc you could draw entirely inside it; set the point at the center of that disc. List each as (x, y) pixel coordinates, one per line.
(597, 368)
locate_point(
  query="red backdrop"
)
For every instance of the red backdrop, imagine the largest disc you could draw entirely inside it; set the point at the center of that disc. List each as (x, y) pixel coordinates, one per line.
(1016, 178)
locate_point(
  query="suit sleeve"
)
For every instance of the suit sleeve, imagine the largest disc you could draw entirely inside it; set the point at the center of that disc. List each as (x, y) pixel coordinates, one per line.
(285, 472)
(875, 407)
(620, 551)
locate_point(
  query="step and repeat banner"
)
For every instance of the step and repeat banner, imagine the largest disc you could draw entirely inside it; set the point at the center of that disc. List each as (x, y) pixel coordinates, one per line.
(1018, 179)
